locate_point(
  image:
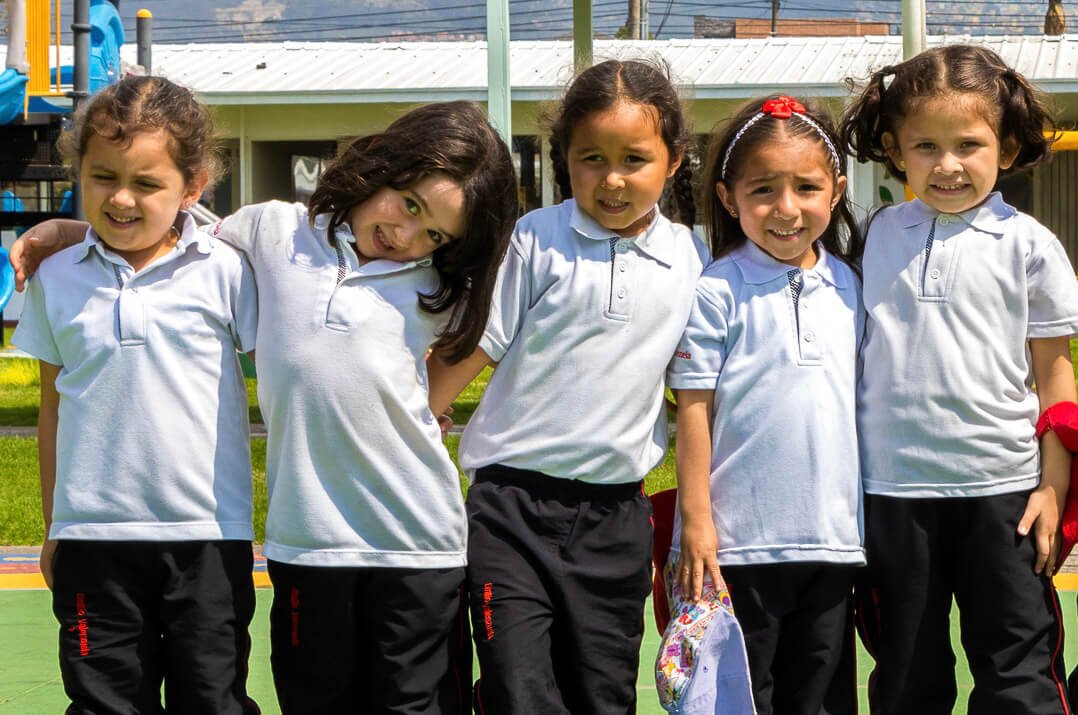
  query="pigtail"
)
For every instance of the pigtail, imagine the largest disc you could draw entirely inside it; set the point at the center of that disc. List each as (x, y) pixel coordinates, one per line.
(865, 121)
(1025, 120)
(683, 193)
(561, 169)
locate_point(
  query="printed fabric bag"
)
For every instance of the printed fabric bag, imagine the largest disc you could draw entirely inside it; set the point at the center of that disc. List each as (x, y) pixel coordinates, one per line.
(702, 667)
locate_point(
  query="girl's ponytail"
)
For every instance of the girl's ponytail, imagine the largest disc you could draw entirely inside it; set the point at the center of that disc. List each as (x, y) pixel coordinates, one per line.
(561, 170)
(1024, 120)
(864, 121)
(683, 193)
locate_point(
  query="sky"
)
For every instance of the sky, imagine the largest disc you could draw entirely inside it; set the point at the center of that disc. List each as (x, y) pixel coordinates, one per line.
(387, 20)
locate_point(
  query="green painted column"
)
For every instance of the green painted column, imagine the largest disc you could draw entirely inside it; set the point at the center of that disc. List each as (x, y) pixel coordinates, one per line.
(582, 34)
(498, 88)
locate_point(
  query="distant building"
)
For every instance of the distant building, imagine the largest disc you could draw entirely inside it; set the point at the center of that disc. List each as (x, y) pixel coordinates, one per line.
(710, 27)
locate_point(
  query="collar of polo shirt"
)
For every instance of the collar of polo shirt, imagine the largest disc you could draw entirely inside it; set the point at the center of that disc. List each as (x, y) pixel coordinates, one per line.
(650, 242)
(990, 217)
(189, 236)
(757, 267)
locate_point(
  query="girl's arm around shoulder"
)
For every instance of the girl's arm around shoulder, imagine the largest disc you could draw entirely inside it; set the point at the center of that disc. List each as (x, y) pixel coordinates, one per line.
(41, 241)
(699, 542)
(250, 226)
(448, 380)
(1054, 377)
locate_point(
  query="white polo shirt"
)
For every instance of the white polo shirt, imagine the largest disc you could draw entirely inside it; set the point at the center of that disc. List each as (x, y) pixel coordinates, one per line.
(778, 346)
(357, 472)
(152, 442)
(582, 325)
(945, 405)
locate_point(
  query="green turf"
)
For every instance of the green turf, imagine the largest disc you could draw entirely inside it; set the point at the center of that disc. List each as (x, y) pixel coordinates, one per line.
(30, 680)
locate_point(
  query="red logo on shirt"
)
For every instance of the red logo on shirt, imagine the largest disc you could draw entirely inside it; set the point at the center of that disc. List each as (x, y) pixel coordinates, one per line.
(683, 355)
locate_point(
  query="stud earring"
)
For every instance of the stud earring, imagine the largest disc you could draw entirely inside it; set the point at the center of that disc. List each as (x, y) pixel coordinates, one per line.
(734, 214)
(901, 165)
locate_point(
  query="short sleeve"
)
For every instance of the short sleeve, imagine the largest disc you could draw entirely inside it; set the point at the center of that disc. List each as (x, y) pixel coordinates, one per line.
(239, 229)
(244, 307)
(1053, 290)
(701, 352)
(512, 297)
(34, 332)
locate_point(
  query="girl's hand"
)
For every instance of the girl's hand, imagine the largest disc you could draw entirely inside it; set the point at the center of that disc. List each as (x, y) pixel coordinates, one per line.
(1042, 516)
(48, 550)
(699, 544)
(41, 241)
(445, 422)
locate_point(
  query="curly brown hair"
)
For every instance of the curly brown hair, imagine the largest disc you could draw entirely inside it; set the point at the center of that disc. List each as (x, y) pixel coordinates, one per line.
(455, 139)
(147, 104)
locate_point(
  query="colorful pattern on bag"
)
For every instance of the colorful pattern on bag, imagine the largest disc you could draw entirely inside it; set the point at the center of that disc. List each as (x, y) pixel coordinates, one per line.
(685, 634)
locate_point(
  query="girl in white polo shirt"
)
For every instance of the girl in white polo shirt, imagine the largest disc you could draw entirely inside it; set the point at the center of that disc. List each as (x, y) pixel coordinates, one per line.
(143, 439)
(765, 376)
(396, 252)
(588, 309)
(969, 303)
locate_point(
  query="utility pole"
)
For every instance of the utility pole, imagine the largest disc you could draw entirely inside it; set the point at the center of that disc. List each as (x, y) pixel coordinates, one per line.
(632, 24)
(582, 35)
(499, 104)
(643, 19)
(774, 17)
(913, 28)
(1055, 21)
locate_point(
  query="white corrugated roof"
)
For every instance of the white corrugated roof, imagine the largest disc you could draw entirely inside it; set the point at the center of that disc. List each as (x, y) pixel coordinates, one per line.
(343, 72)
(286, 72)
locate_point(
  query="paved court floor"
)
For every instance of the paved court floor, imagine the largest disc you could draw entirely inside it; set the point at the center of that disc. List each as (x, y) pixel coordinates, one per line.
(30, 681)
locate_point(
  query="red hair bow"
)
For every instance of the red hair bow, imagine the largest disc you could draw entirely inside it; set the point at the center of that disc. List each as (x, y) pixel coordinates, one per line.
(783, 107)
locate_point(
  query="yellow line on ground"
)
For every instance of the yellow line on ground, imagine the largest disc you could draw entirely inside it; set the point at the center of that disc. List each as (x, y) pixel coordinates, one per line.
(1066, 581)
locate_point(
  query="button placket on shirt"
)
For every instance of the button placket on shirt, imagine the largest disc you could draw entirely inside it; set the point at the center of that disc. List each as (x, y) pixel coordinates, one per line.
(131, 306)
(808, 334)
(620, 295)
(939, 263)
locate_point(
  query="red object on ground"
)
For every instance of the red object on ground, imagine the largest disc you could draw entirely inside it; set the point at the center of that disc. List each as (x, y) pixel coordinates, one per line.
(662, 506)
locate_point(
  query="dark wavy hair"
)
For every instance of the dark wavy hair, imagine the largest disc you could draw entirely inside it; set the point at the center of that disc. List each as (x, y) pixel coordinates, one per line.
(455, 139)
(602, 86)
(146, 104)
(1019, 112)
(841, 238)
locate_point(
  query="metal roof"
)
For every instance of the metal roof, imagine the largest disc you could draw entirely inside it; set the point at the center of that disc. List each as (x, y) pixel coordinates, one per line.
(354, 72)
(313, 72)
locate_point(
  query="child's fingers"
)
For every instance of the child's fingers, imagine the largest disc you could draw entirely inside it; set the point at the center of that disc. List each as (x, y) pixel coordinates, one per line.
(1053, 556)
(1029, 516)
(1044, 549)
(716, 576)
(21, 258)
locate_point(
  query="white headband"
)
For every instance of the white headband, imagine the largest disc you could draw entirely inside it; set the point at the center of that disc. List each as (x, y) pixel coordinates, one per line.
(782, 107)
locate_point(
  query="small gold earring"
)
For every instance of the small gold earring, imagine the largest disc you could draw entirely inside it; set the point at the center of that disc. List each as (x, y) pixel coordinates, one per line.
(734, 214)
(901, 165)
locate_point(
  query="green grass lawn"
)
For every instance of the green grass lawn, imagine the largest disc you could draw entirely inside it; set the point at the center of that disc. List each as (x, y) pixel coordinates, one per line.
(20, 493)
